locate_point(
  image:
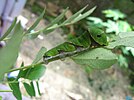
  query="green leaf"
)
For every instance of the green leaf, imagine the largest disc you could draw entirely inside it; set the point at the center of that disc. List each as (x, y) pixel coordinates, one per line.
(34, 73)
(15, 87)
(40, 69)
(95, 20)
(111, 26)
(74, 16)
(73, 19)
(39, 55)
(82, 16)
(123, 39)
(29, 88)
(115, 14)
(36, 22)
(37, 83)
(46, 30)
(9, 29)
(20, 72)
(124, 26)
(98, 58)
(0, 97)
(57, 19)
(123, 61)
(9, 53)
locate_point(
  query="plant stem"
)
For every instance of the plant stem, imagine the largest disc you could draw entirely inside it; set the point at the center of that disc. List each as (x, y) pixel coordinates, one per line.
(6, 91)
(24, 67)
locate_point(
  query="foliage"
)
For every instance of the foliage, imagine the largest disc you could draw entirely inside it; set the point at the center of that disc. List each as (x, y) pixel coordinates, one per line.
(91, 48)
(114, 24)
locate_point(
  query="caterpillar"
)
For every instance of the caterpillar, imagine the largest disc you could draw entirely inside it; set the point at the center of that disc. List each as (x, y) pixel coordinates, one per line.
(94, 37)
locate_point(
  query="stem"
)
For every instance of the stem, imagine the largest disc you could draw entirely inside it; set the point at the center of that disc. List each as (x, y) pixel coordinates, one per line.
(24, 67)
(6, 91)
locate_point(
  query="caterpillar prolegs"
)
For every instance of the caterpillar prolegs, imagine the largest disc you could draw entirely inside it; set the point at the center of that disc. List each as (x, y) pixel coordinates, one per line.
(94, 37)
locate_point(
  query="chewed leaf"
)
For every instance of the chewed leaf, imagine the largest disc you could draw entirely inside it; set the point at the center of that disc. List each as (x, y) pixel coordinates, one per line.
(98, 58)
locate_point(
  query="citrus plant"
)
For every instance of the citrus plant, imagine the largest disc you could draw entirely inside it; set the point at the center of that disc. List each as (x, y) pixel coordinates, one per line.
(92, 49)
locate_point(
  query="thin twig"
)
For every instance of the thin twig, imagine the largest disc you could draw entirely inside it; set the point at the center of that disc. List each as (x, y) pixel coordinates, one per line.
(25, 67)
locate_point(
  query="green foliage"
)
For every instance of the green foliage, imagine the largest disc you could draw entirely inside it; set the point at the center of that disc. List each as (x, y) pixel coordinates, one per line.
(29, 88)
(15, 87)
(54, 24)
(39, 55)
(0, 98)
(9, 29)
(123, 61)
(123, 39)
(115, 14)
(33, 73)
(77, 45)
(118, 24)
(120, 28)
(9, 53)
(92, 48)
(98, 58)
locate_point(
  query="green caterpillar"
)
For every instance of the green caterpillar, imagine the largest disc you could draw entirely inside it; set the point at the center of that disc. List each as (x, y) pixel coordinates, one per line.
(92, 38)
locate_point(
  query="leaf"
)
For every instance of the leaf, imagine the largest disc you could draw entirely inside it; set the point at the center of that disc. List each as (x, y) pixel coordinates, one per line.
(29, 88)
(95, 20)
(0, 97)
(9, 29)
(74, 16)
(57, 19)
(124, 26)
(115, 14)
(33, 69)
(9, 53)
(34, 73)
(36, 22)
(39, 55)
(123, 61)
(73, 19)
(98, 58)
(82, 16)
(37, 83)
(111, 26)
(15, 88)
(20, 72)
(123, 39)
(46, 30)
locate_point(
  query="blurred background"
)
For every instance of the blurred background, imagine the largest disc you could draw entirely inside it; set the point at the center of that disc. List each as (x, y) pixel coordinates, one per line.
(65, 80)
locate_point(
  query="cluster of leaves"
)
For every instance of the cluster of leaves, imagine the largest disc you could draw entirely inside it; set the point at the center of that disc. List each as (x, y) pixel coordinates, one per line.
(115, 23)
(14, 37)
(96, 57)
